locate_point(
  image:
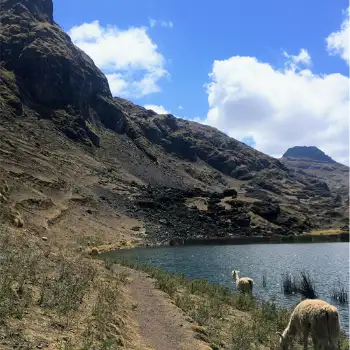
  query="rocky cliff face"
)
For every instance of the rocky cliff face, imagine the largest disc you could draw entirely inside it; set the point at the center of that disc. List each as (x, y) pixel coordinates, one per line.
(53, 77)
(63, 134)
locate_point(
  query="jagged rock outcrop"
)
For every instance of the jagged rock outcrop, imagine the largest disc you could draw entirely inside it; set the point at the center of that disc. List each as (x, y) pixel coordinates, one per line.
(54, 77)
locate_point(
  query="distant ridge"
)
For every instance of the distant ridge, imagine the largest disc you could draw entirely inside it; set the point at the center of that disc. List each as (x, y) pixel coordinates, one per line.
(308, 152)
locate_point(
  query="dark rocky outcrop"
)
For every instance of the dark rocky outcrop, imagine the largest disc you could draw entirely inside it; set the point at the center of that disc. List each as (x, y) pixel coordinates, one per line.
(311, 153)
(266, 210)
(55, 78)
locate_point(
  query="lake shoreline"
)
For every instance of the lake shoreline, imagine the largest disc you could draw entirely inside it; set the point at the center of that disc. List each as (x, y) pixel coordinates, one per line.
(213, 309)
(241, 240)
(342, 237)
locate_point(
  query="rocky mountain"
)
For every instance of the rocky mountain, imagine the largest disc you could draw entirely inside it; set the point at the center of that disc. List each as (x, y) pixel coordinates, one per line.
(309, 153)
(75, 159)
(312, 161)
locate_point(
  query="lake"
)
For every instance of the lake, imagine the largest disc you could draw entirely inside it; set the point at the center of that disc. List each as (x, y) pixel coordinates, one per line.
(328, 263)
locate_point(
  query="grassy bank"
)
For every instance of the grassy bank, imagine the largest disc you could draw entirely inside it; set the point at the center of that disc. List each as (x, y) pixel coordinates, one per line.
(54, 298)
(223, 318)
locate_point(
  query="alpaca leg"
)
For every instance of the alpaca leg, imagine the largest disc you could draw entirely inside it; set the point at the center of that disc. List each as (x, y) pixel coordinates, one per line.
(305, 339)
(317, 344)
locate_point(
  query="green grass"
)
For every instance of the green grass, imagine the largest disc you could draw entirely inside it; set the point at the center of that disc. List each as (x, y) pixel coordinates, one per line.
(226, 319)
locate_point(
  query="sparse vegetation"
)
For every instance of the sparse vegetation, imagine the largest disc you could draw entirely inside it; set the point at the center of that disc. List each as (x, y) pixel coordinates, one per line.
(289, 284)
(322, 232)
(303, 285)
(66, 292)
(340, 294)
(19, 268)
(306, 286)
(264, 281)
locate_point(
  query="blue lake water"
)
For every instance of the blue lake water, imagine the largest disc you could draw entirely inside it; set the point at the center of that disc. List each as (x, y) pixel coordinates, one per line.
(328, 263)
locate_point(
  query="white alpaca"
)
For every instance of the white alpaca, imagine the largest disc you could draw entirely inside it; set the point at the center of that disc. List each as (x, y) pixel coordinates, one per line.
(243, 284)
(313, 316)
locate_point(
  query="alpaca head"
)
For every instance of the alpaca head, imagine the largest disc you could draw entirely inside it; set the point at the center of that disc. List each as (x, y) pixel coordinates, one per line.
(282, 341)
(235, 274)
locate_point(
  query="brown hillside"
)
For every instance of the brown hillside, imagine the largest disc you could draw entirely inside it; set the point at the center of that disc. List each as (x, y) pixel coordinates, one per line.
(76, 162)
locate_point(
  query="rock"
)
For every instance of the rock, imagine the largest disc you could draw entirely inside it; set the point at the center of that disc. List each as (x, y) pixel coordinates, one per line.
(94, 251)
(266, 210)
(308, 152)
(65, 80)
(44, 238)
(230, 192)
(240, 171)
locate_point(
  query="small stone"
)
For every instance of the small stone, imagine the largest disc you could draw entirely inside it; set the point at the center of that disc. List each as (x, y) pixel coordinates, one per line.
(94, 251)
(44, 238)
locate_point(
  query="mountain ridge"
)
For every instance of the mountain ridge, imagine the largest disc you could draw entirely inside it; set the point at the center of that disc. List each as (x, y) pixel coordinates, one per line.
(63, 132)
(311, 153)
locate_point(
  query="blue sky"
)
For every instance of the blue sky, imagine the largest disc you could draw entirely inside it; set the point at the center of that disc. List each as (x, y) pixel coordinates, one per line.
(202, 32)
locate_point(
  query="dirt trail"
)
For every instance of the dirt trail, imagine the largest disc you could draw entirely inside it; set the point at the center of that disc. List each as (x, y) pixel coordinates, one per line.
(162, 324)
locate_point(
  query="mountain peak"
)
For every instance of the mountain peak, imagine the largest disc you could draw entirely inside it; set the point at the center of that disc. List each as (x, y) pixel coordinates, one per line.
(42, 10)
(308, 153)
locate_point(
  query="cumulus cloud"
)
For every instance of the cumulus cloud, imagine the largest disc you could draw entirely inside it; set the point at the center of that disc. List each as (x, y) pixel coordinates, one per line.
(338, 43)
(166, 24)
(158, 109)
(277, 109)
(180, 107)
(129, 58)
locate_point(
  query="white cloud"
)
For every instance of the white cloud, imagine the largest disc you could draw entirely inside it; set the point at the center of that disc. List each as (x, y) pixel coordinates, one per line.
(338, 43)
(279, 109)
(294, 62)
(152, 22)
(166, 24)
(129, 58)
(180, 107)
(158, 109)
